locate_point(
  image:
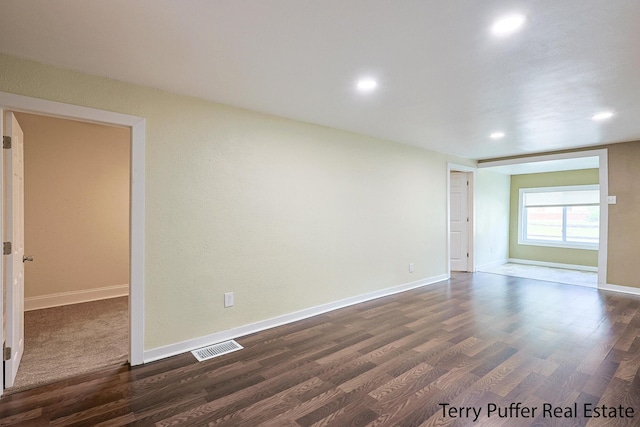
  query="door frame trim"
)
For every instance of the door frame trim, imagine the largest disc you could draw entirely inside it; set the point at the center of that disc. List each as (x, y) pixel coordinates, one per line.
(137, 125)
(453, 167)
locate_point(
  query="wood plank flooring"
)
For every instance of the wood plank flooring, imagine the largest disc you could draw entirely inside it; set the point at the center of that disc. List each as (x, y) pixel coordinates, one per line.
(427, 357)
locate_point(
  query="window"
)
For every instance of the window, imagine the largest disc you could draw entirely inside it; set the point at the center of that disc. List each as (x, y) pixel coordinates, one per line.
(567, 217)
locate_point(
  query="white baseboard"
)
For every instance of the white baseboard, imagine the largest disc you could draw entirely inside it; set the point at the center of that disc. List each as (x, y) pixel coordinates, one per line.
(618, 288)
(553, 264)
(75, 297)
(492, 264)
(192, 344)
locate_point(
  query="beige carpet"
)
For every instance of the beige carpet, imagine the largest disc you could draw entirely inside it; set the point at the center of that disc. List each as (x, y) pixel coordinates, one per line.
(549, 274)
(65, 341)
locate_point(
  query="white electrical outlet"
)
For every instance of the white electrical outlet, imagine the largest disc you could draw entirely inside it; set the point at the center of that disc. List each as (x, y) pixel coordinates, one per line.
(228, 299)
(410, 267)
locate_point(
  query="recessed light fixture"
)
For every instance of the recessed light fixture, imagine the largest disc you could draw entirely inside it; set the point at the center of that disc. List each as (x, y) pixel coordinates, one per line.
(366, 85)
(602, 116)
(508, 24)
(497, 135)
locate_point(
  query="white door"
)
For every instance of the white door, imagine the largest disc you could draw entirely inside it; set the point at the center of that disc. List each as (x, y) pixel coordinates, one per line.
(459, 221)
(14, 233)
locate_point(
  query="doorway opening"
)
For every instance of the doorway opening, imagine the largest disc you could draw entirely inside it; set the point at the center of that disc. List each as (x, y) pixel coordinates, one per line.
(76, 235)
(558, 235)
(136, 128)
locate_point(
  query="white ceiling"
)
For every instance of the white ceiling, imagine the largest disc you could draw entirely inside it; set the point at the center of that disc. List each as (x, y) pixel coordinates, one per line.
(540, 166)
(445, 81)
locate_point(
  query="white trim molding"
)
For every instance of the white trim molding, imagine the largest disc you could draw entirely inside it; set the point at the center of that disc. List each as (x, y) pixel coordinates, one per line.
(13, 102)
(75, 297)
(192, 344)
(618, 288)
(554, 264)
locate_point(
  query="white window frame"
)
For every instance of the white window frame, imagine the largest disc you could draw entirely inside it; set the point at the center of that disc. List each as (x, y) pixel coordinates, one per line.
(522, 240)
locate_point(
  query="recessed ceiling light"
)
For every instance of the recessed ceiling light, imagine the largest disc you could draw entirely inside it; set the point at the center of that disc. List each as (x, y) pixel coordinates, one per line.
(602, 116)
(497, 135)
(508, 25)
(367, 85)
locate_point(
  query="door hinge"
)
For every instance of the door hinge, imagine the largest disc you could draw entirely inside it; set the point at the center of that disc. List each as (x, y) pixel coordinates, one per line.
(6, 353)
(6, 142)
(6, 248)
(467, 254)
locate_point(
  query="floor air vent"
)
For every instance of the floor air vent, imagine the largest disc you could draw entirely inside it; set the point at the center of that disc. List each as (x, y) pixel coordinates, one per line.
(215, 350)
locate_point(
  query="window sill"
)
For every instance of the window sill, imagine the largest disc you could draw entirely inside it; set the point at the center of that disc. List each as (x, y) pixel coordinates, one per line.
(561, 245)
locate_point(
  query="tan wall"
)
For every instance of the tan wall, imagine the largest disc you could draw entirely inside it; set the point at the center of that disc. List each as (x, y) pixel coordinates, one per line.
(285, 214)
(544, 253)
(492, 218)
(76, 205)
(624, 216)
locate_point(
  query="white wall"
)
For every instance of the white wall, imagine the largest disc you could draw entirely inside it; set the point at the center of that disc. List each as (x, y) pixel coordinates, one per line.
(492, 218)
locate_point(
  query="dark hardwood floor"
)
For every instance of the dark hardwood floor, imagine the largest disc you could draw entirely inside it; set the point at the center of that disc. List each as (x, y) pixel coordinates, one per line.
(519, 348)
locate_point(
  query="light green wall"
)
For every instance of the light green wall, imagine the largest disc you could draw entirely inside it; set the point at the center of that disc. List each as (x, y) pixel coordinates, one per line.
(492, 218)
(543, 253)
(285, 214)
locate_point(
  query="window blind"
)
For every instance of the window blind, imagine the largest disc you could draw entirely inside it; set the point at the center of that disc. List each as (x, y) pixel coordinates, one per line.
(562, 198)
